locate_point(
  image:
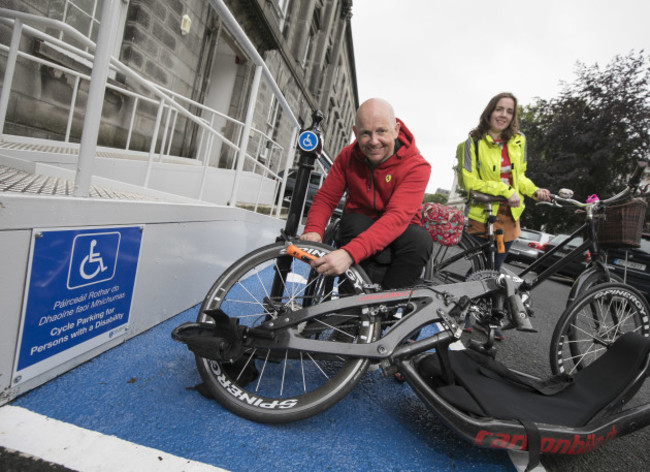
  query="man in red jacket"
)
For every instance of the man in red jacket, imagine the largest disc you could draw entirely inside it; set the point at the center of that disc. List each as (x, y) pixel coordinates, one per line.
(386, 178)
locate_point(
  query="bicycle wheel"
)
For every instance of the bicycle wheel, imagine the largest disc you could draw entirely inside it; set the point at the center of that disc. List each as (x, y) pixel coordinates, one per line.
(269, 385)
(450, 264)
(589, 279)
(593, 322)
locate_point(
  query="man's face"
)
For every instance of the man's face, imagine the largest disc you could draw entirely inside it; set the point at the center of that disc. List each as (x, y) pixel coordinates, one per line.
(376, 134)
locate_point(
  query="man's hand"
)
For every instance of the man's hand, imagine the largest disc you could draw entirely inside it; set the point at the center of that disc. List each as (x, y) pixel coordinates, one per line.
(335, 263)
(311, 236)
(542, 195)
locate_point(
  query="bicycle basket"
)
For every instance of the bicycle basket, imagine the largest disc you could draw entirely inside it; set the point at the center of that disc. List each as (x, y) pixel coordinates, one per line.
(623, 224)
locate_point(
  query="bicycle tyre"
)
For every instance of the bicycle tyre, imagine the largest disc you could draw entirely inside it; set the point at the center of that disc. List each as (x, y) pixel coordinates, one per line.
(588, 279)
(593, 322)
(439, 268)
(287, 385)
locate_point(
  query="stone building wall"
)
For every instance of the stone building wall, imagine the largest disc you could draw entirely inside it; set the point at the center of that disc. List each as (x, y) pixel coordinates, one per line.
(301, 49)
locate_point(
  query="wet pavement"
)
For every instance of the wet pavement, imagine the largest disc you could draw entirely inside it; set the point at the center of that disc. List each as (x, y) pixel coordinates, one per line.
(143, 393)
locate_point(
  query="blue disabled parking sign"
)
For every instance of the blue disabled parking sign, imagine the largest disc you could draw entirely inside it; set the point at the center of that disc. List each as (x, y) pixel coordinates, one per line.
(79, 293)
(308, 141)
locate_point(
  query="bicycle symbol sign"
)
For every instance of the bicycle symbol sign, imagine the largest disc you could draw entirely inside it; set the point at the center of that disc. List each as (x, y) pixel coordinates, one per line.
(94, 258)
(308, 141)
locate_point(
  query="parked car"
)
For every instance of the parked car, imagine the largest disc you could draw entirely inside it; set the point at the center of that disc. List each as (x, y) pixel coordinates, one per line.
(572, 269)
(528, 246)
(315, 181)
(632, 265)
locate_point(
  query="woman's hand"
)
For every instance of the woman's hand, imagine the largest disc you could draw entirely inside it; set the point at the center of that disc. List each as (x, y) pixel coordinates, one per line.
(542, 195)
(514, 200)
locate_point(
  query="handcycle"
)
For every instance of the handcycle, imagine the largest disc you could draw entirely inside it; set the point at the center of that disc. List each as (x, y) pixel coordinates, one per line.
(275, 341)
(290, 356)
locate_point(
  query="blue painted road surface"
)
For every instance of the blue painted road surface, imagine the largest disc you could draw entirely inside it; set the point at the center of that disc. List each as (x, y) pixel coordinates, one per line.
(142, 392)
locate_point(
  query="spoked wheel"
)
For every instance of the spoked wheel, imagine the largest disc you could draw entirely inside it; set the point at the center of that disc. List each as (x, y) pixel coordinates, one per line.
(588, 280)
(593, 322)
(450, 264)
(273, 385)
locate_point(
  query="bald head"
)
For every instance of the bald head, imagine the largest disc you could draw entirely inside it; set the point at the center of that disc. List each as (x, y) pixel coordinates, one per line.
(375, 107)
(376, 130)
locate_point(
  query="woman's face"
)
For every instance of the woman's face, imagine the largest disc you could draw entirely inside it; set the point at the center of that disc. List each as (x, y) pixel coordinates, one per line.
(502, 116)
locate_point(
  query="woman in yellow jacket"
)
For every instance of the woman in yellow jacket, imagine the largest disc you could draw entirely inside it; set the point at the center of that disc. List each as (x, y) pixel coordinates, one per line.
(493, 161)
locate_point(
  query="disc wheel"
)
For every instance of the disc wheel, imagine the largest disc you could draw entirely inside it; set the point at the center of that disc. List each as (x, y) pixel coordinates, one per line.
(280, 385)
(591, 324)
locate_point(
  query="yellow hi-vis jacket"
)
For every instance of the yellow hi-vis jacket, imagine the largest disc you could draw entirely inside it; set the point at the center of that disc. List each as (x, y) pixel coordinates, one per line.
(485, 175)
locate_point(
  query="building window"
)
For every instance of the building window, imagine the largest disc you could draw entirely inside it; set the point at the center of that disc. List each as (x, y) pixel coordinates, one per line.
(282, 8)
(85, 17)
(305, 56)
(335, 77)
(272, 117)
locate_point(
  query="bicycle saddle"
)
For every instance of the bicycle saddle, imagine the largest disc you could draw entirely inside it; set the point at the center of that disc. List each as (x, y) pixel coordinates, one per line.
(481, 197)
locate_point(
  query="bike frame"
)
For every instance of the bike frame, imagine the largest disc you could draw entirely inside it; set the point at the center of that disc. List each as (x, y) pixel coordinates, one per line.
(430, 305)
(595, 265)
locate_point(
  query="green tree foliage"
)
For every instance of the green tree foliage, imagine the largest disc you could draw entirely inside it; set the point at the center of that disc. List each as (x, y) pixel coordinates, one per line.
(590, 137)
(435, 197)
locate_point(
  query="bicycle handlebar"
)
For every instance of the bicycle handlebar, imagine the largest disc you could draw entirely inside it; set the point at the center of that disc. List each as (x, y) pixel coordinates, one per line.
(632, 185)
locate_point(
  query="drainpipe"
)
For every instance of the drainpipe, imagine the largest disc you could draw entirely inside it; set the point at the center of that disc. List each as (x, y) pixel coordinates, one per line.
(88, 145)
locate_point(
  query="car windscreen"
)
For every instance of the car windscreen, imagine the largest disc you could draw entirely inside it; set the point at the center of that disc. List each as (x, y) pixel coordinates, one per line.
(530, 235)
(577, 241)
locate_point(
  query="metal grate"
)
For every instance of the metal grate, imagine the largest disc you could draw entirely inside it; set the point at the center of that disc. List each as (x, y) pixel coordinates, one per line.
(14, 180)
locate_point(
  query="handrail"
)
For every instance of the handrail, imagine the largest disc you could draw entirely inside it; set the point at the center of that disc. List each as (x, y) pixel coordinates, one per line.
(166, 99)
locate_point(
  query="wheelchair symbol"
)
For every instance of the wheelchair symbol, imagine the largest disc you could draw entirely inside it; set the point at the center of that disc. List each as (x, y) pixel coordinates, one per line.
(308, 141)
(93, 258)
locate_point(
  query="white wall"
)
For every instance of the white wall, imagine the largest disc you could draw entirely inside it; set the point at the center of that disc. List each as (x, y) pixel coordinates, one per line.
(185, 246)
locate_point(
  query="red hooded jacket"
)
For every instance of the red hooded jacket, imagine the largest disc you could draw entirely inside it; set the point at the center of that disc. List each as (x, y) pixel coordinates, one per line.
(391, 194)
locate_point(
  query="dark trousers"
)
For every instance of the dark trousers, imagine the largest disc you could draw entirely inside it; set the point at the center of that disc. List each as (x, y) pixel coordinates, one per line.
(499, 259)
(400, 264)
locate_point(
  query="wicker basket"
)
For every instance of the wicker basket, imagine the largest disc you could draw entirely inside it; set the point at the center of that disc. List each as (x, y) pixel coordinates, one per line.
(623, 224)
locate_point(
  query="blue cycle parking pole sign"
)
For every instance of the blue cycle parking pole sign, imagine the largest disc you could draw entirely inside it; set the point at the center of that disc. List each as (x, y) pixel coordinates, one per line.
(78, 296)
(308, 141)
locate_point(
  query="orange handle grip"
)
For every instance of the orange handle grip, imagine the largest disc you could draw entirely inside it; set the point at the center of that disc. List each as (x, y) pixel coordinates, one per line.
(298, 253)
(501, 248)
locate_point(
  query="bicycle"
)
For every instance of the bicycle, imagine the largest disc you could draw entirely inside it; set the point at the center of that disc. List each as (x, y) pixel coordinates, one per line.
(473, 259)
(478, 256)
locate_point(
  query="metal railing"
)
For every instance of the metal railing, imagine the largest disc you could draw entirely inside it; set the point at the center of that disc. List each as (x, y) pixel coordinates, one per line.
(170, 105)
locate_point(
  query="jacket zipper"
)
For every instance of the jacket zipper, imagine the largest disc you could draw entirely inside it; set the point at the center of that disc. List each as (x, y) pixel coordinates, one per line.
(371, 187)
